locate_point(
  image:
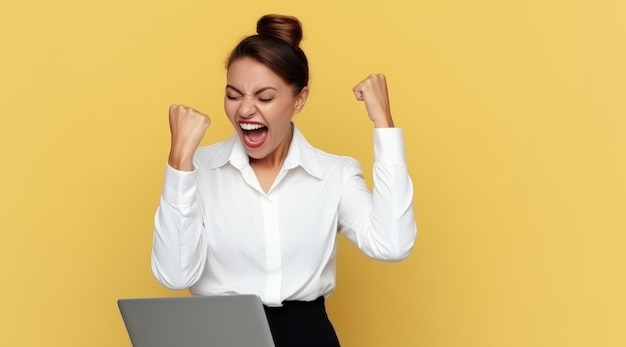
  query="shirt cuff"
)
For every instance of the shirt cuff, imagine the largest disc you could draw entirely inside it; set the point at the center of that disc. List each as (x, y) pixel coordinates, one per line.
(179, 188)
(389, 146)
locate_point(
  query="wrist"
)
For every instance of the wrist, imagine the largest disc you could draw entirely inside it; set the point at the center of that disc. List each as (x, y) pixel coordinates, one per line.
(383, 123)
(180, 163)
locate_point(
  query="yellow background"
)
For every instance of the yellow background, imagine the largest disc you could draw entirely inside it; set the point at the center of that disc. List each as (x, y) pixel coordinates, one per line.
(514, 117)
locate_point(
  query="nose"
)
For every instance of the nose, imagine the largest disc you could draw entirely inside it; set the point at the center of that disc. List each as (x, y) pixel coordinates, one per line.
(247, 108)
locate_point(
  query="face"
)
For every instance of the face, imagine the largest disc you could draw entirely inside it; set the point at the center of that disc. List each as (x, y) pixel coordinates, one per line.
(260, 105)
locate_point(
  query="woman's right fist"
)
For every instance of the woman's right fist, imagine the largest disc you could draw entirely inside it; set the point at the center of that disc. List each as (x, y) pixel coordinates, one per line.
(187, 127)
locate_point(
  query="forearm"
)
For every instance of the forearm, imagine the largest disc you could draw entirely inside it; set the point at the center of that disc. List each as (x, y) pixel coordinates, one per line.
(392, 209)
(382, 223)
(179, 249)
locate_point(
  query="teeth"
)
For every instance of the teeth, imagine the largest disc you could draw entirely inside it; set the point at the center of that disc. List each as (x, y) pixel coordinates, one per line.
(251, 126)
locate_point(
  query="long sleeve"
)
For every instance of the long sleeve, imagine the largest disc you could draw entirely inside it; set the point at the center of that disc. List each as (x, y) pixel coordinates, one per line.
(179, 244)
(380, 223)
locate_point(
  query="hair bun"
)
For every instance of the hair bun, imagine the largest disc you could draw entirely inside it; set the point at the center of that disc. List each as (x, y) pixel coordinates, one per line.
(286, 28)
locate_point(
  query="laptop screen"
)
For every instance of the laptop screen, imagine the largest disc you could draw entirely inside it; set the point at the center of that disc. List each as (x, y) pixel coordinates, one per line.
(198, 321)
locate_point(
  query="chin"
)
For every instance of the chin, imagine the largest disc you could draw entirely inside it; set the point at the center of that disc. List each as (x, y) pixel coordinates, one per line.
(255, 155)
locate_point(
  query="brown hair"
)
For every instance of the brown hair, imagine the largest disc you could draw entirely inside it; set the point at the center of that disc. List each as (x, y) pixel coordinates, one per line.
(277, 46)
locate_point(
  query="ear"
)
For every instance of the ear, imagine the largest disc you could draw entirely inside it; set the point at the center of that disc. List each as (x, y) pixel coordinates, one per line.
(301, 99)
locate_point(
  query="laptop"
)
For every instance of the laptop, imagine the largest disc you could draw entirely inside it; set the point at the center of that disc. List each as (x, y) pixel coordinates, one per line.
(197, 321)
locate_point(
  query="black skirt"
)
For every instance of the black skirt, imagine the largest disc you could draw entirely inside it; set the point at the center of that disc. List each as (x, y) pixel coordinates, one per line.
(301, 324)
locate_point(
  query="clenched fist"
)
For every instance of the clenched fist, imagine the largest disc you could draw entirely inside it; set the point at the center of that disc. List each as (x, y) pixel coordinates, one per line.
(187, 127)
(373, 91)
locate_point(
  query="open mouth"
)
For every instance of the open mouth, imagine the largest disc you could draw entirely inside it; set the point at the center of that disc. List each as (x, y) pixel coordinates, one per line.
(254, 134)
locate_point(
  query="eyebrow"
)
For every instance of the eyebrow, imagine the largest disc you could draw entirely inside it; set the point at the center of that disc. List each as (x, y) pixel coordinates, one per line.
(229, 86)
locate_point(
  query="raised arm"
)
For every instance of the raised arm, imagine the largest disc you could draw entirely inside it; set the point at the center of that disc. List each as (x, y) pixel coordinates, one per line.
(380, 223)
(179, 245)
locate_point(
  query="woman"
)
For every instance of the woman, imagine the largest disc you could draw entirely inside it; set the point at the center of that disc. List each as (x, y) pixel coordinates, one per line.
(259, 212)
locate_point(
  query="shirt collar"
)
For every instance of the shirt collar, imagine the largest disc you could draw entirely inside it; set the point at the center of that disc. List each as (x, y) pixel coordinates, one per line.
(300, 153)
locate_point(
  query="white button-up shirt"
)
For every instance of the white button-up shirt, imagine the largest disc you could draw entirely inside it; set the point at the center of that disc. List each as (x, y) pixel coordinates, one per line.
(218, 233)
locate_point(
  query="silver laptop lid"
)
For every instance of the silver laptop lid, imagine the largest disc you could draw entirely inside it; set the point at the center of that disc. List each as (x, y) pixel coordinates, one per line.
(199, 321)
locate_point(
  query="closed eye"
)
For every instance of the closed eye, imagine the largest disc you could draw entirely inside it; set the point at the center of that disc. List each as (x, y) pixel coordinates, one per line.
(266, 99)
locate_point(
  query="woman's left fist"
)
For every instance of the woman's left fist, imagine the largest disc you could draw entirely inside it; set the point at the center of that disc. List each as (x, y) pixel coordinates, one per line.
(373, 92)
